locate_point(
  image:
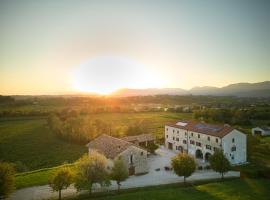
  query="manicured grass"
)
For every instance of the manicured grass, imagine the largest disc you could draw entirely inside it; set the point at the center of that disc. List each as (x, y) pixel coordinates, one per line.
(37, 177)
(32, 143)
(247, 189)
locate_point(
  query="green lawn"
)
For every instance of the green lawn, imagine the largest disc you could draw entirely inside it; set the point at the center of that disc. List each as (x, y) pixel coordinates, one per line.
(247, 189)
(32, 143)
(36, 177)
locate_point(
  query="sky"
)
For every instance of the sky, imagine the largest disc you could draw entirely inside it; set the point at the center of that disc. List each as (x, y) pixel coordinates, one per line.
(67, 46)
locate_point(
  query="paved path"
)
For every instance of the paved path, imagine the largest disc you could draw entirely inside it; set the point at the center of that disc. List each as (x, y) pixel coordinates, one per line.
(154, 177)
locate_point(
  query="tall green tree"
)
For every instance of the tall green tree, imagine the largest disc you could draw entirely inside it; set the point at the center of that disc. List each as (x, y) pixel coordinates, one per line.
(119, 172)
(219, 163)
(91, 169)
(61, 180)
(7, 179)
(183, 165)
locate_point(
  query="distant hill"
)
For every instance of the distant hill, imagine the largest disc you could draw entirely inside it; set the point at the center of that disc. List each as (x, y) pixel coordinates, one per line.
(150, 91)
(261, 89)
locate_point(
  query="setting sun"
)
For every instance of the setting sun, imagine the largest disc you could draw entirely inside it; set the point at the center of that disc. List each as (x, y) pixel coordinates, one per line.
(103, 75)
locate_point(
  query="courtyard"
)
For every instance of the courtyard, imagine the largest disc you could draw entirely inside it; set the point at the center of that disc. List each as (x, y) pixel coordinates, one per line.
(157, 175)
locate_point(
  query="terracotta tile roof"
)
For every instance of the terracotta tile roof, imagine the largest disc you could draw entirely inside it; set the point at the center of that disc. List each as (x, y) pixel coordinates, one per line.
(110, 146)
(140, 138)
(201, 127)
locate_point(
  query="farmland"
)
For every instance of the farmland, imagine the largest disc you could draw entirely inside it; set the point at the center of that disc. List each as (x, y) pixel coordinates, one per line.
(31, 142)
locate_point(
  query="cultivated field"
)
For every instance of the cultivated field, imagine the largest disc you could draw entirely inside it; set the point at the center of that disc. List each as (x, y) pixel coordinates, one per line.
(31, 142)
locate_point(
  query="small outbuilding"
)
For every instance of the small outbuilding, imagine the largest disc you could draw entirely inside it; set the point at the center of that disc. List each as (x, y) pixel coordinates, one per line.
(261, 130)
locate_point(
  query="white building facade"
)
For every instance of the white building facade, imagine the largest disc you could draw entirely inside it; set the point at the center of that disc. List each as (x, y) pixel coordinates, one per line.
(201, 140)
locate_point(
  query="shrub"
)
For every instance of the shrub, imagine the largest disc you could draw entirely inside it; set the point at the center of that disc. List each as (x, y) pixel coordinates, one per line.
(7, 179)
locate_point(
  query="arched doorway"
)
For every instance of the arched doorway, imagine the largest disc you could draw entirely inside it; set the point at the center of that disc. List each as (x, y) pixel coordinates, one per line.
(199, 154)
(207, 156)
(180, 148)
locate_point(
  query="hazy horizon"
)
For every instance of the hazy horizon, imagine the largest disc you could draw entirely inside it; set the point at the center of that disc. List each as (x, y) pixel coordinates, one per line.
(67, 47)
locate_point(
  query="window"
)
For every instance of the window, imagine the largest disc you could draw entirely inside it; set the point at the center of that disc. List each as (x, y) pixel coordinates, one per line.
(208, 138)
(173, 138)
(142, 153)
(166, 129)
(185, 133)
(184, 141)
(233, 140)
(173, 131)
(216, 140)
(177, 131)
(233, 148)
(198, 144)
(199, 136)
(215, 148)
(208, 147)
(131, 159)
(166, 136)
(192, 134)
(177, 139)
(191, 142)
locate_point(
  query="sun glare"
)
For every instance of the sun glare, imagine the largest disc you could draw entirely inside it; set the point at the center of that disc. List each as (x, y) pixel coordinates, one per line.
(104, 75)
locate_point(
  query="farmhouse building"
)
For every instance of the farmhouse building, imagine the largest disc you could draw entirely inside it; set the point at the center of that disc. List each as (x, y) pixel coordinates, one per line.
(262, 130)
(134, 157)
(202, 140)
(142, 140)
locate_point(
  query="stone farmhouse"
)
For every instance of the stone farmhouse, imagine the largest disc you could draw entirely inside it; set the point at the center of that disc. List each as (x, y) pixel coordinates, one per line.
(134, 157)
(262, 131)
(201, 140)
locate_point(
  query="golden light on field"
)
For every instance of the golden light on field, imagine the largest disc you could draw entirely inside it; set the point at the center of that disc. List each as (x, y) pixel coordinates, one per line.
(103, 75)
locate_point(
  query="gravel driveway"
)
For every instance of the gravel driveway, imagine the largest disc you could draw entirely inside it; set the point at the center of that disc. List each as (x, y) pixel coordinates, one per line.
(154, 177)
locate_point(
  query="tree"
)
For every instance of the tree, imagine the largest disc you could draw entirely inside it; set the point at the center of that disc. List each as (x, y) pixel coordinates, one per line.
(61, 180)
(183, 165)
(119, 172)
(138, 127)
(151, 147)
(91, 169)
(7, 179)
(219, 163)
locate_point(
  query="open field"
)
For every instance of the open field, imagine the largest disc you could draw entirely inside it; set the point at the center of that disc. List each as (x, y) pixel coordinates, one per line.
(32, 143)
(246, 189)
(156, 119)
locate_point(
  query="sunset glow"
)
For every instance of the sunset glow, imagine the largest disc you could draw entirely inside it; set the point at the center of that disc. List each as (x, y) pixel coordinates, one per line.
(66, 47)
(104, 75)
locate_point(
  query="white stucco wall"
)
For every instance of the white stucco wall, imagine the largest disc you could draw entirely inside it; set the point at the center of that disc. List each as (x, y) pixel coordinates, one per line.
(237, 157)
(172, 133)
(240, 142)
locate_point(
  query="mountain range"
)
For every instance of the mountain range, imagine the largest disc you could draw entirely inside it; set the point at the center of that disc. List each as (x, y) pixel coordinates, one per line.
(261, 89)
